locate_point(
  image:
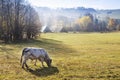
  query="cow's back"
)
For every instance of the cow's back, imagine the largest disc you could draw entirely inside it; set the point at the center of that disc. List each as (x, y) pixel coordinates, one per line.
(38, 52)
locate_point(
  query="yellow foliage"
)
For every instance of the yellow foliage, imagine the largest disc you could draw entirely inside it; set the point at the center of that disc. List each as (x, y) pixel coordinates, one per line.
(111, 24)
(84, 20)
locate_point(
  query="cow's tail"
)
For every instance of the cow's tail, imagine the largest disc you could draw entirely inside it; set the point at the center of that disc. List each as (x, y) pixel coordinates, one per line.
(22, 55)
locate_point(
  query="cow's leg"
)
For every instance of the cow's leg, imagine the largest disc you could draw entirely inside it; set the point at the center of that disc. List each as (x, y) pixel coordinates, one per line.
(24, 63)
(41, 59)
(35, 62)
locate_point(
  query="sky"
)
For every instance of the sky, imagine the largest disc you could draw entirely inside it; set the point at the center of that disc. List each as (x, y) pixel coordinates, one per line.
(97, 4)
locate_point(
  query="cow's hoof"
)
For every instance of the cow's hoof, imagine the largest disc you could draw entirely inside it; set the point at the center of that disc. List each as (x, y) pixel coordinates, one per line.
(23, 68)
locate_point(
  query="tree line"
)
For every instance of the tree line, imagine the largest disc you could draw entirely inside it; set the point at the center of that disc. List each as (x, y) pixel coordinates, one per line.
(89, 23)
(18, 21)
(85, 23)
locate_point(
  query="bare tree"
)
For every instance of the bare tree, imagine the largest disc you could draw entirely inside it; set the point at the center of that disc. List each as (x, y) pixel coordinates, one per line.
(17, 18)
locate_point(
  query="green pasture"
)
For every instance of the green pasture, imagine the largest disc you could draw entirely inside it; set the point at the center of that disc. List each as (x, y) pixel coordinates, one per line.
(76, 56)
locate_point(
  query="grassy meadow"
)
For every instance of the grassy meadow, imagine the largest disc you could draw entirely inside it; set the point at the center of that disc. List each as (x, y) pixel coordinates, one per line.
(76, 56)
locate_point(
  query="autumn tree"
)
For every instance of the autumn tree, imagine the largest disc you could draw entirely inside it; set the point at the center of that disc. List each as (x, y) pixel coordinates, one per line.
(111, 24)
(118, 27)
(85, 23)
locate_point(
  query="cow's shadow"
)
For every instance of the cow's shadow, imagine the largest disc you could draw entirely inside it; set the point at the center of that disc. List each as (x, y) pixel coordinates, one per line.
(45, 71)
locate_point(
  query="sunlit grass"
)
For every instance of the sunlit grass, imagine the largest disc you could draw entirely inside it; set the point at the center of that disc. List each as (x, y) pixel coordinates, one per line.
(85, 56)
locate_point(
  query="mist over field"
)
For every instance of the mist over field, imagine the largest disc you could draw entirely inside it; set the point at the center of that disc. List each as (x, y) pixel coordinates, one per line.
(57, 19)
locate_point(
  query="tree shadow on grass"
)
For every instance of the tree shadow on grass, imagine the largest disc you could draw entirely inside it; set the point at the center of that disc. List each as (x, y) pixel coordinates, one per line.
(7, 52)
(45, 71)
(52, 46)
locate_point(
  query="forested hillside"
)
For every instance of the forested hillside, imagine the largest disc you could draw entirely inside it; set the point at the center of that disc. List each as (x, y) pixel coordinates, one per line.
(79, 19)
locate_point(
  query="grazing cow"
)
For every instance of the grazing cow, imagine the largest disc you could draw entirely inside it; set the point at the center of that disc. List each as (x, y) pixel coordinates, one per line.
(35, 53)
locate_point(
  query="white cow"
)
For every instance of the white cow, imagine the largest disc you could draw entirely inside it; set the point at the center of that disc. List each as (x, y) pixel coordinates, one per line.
(35, 53)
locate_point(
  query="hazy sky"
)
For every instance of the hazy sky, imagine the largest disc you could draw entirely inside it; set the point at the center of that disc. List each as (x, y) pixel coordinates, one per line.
(97, 4)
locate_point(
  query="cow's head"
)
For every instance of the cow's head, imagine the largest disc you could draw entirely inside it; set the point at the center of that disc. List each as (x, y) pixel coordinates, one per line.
(48, 62)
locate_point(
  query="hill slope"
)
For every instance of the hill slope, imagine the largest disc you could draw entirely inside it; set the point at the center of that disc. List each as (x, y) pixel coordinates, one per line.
(53, 18)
